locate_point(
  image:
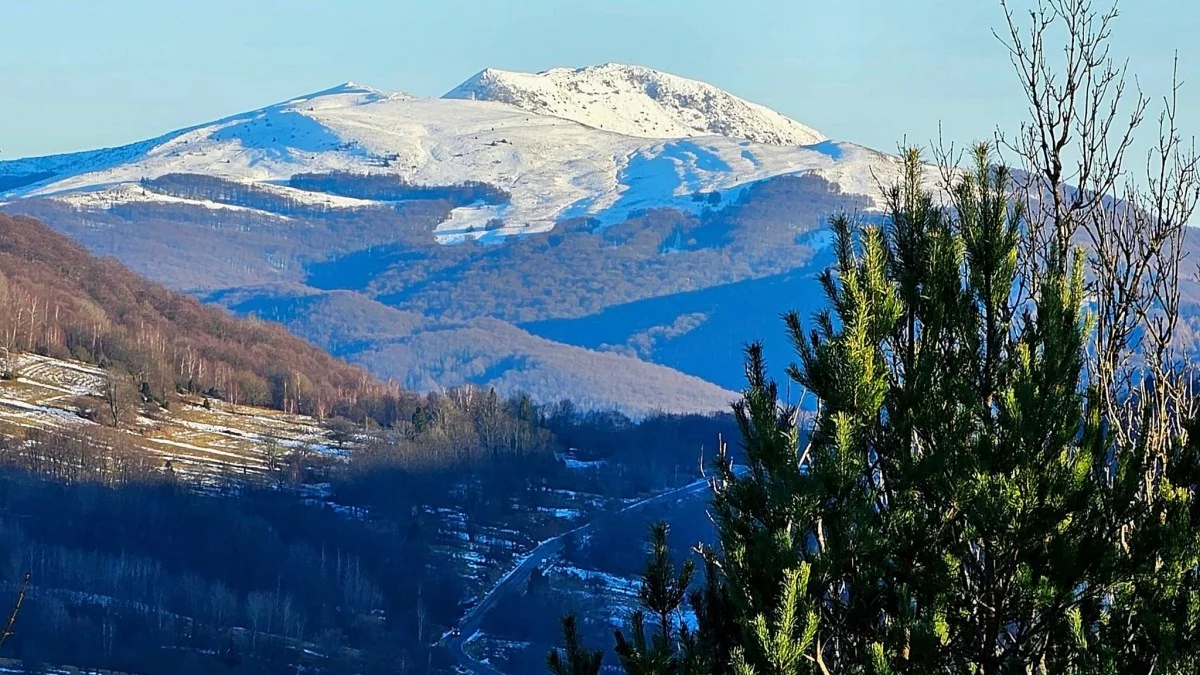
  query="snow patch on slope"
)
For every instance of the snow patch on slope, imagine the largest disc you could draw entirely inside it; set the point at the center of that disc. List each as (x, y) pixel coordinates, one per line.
(636, 101)
(132, 193)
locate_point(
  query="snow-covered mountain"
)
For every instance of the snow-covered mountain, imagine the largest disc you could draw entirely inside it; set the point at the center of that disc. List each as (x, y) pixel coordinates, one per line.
(598, 143)
(670, 202)
(636, 101)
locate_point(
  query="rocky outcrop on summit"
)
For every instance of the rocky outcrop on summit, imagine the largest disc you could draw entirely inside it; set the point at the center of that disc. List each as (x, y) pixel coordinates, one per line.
(637, 101)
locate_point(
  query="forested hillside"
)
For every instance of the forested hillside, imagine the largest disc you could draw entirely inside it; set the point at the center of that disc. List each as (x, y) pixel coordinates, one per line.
(350, 559)
(366, 383)
(60, 301)
(424, 353)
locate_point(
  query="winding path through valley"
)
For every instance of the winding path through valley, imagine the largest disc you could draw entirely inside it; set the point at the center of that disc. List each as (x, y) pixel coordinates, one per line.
(518, 575)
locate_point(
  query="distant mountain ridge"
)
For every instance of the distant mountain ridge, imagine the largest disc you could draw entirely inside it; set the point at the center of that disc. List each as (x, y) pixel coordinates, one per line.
(423, 354)
(598, 143)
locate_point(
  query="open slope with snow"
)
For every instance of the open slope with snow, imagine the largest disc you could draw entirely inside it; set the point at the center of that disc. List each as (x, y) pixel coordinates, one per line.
(595, 143)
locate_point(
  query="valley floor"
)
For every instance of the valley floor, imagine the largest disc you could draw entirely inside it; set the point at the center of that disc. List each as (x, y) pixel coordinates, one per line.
(483, 562)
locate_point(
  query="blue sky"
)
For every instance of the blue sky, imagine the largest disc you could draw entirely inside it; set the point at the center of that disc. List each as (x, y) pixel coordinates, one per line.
(79, 74)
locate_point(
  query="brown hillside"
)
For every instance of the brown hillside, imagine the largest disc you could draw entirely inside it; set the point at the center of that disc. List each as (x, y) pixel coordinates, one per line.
(57, 299)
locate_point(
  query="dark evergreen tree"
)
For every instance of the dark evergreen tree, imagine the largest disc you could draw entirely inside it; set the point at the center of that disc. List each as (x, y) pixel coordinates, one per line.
(709, 648)
(574, 659)
(642, 653)
(961, 507)
(663, 589)
(661, 594)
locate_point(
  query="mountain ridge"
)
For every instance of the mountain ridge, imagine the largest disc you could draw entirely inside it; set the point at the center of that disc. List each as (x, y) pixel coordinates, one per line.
(424, 354)
(557, 164)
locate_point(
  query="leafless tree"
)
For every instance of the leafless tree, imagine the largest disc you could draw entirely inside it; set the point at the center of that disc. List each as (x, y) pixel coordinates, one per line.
(273, 454)
(120, 397)
(422, 613)
(296, 463)
(259, 608)
(1081, 191)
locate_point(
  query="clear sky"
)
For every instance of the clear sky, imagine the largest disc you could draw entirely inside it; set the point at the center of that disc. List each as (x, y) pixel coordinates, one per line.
(81, 74)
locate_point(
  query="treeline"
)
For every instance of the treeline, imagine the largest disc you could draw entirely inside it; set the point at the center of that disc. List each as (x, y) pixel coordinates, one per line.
(80, 455)
(190, 246)
(374, 187)
(392, 188)
(58, 300)
(234, 193)
(21, 180)
(643, 454)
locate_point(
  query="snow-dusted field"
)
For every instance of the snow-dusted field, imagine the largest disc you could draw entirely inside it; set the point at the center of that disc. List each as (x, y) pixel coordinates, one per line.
(198, 441)
(600, 143)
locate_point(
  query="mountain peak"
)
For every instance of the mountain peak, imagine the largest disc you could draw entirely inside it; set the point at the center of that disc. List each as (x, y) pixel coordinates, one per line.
(636, 101)
(348, 88)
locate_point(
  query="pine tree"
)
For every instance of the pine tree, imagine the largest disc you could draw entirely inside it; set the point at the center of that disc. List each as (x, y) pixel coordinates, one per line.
(642, 653)
(709, 649)
(662, 593)
(574, 659)
(959, 505)
(780, 643)
(663, 590)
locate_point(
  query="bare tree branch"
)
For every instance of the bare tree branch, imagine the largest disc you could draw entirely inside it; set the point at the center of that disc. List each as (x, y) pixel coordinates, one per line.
(12, 616)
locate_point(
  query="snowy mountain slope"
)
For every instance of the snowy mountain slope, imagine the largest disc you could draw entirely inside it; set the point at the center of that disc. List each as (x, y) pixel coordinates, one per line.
(51, 170)
(552, 167)
(636, 101)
